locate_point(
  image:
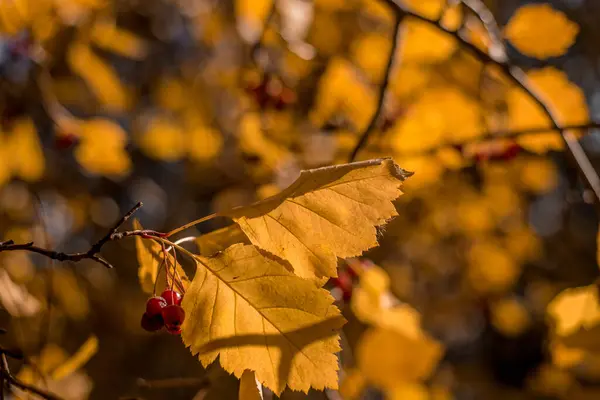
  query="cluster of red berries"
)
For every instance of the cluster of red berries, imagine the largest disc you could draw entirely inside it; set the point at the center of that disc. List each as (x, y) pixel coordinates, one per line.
(164, 310)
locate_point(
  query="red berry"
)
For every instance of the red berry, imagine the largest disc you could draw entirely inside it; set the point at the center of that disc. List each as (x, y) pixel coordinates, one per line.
(65, 141)
(173, 316)
(152, 323)
(154, 305)
(172, 297)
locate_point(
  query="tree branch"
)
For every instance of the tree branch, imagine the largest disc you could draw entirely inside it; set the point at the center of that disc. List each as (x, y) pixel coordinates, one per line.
(398, 15)
(92, 253)
(515, 74)
(7, 376)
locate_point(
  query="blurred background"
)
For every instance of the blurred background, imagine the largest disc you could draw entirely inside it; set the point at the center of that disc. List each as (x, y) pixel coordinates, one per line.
(197, 106)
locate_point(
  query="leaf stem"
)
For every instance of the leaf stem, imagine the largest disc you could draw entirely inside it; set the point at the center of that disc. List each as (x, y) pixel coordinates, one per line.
(190, 224)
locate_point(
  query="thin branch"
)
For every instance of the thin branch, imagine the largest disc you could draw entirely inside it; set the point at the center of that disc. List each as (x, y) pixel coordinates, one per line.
(398, 15)
(518, 77)
(92, 253)
(12, 380)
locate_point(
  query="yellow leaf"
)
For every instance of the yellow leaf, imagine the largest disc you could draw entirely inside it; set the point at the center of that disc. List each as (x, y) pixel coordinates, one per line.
(77, 360)
(162, 139)
(352, 384)
(204, 143)
(538, 175)
(423, 43)
(149, 255)
(439, 115)
(370, 53)
(491, 269)
(107, 35)
(102, 148)
(428, 8)
(249, 387)
(99, 76)
(388, 358)
(566, 101)
(509, 316)
(25, 151)
(341, 91)
(575, 309)
(409, 391)
(218, 240)
(253, 141)
(325, 214)
(251, 15)
(252, 313)
(538, 30)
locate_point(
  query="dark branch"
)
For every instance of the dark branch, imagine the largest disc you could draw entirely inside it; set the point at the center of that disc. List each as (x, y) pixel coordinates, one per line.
(7, 376)
(383, 88)
(92, 253)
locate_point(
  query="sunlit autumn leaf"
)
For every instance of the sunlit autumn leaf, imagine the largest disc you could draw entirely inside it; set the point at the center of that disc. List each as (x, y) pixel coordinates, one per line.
(387, 358)
(325, 214)
(424, 43)
(574, 309)
(162, 139)
(99, 76)
(249, 388)
(107, 35)
(566, 100)
(102, 148)
(253, 313)
(540, 31)
(23, 151)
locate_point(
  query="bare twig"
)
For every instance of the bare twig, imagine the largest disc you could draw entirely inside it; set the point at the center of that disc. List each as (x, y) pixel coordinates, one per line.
(92, 253)
(12, 380)
(398, 15)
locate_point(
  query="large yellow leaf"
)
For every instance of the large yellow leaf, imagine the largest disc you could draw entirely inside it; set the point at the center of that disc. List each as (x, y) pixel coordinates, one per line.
(250, 311)
(538, 30)
(326, 213)
(423, 43)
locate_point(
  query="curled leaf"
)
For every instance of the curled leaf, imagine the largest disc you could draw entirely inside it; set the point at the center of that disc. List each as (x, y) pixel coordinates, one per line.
(326, 213)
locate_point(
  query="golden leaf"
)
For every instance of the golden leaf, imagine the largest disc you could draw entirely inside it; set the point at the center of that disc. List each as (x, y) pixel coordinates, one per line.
(102, 148)
(491, 268)
(574, 309)
(386, 357)
(326, 213)
(162, 139)
(99, 76)
(538, 30)
(509, 316)
(24, 151)
(409, 391)
(370, 53)
(149, 255)
(566, 101)
(107, 35)
(428, 8)
(249, 387)
(218, 240)
(204, 143)
(249, 311)
(77, 360)
(423, 43)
